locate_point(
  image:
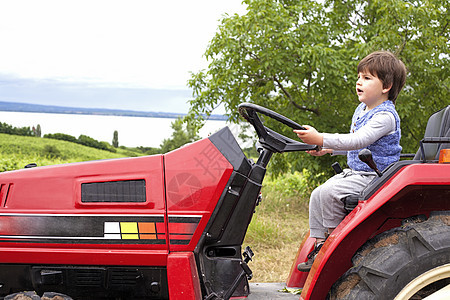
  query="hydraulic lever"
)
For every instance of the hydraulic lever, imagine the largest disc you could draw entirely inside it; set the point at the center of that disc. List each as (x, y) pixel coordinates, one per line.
(365, 155)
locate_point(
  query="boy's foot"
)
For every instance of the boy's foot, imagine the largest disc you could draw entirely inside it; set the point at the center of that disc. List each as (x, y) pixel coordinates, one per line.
(306, 266)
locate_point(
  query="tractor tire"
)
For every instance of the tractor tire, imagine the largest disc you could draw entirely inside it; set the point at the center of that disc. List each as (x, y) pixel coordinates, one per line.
(408, 262)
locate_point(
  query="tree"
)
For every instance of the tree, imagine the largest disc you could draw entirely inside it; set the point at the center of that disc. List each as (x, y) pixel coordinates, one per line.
(182, 134)
(115, 141)
(299, 58)
(36, 130)
(9, 129)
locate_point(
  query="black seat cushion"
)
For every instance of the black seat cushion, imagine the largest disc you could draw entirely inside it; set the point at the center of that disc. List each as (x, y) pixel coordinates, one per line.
(438, 126)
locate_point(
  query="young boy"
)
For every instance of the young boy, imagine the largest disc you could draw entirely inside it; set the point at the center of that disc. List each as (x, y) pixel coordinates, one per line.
(375, 125)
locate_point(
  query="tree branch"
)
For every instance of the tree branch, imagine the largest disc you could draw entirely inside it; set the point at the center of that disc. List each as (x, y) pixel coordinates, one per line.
(405, 40)
(278, 83)
(253, 55)
(444, 29)
(289, 97)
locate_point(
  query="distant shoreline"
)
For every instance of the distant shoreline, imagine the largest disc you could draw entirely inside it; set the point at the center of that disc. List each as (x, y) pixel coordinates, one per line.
(37, 108)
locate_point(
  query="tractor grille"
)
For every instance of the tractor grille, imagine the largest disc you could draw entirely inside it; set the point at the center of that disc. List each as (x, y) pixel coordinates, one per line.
(86, 283)
(124, 277)
(89, 277)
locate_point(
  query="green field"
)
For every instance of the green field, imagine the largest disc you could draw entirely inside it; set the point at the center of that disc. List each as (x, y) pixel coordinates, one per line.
(18, 151)
(277, 228)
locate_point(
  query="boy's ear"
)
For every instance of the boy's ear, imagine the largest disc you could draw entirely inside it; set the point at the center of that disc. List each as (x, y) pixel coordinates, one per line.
(387, 89)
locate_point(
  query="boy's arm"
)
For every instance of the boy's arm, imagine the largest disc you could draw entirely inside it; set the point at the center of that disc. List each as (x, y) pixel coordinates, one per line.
(381, 124)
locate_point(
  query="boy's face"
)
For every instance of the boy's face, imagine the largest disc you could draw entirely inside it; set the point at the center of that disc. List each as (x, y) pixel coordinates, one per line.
(369, 89)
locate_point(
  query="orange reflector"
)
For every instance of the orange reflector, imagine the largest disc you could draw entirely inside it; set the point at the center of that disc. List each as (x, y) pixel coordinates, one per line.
(444, 156)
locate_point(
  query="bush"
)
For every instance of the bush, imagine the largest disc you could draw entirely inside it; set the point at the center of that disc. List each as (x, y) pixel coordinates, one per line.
(293, 185)
(82, 140)
(9, 129)
(145, 150)
(106, 146)
(8, 164)
(51, 152)
(61, 136)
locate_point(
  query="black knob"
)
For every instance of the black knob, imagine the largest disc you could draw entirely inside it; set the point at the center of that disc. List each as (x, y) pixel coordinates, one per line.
(365, 155)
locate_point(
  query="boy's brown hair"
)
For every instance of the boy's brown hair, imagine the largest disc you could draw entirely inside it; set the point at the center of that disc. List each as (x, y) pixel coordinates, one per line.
(388, 68)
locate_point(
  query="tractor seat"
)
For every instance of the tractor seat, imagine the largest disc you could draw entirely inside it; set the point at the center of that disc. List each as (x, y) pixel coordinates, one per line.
(438, 126)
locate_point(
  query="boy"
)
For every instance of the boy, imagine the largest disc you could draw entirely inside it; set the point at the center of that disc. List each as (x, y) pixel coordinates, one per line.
(375, 125)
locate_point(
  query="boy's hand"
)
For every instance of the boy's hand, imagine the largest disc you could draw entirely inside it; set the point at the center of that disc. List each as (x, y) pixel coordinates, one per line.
(310, 136)
(320, 152)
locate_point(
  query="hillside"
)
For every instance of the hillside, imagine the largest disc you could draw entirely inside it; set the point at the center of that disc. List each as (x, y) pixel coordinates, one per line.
(18, 151)
(37, 108)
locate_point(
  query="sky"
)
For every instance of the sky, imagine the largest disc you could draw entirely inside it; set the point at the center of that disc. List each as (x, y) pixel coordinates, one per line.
(120, 54)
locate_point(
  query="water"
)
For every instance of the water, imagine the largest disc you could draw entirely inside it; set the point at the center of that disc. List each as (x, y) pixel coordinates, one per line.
(133, 131)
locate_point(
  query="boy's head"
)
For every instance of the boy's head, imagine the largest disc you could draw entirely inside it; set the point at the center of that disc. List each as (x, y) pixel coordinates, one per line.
(388, 68)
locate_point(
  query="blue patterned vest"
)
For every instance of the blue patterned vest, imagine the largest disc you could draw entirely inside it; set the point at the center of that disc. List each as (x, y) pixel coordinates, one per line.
(385, 150)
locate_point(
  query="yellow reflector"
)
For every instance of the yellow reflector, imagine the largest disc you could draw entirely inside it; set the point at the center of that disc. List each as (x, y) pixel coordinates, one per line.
(130, 236)
(444, 156)
(129, 227)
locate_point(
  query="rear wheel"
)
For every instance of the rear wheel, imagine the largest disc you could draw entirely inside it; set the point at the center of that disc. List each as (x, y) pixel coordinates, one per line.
(429, 279)
(409, 262)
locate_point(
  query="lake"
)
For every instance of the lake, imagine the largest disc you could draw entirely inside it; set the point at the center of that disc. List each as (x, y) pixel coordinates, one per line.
(133, 131)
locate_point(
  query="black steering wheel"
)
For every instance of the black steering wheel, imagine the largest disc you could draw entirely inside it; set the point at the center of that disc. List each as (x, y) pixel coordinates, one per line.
(268, 138)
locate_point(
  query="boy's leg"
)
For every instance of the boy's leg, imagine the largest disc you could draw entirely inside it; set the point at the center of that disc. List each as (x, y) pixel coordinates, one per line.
(319, 198)
(316, 228)
(350, 183)
(326, 210)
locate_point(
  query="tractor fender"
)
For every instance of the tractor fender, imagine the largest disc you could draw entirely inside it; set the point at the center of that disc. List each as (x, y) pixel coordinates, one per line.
(416, 189)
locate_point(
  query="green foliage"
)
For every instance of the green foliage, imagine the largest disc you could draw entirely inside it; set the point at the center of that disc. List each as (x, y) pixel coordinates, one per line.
(299, 58)
(61, 136)
(293, 185)
(147, 150)
(281, 196)
(51, 151)
(115, 141)
(251, 153)
(82, 140)
(182, 134)
(90, 142)
(9, 129)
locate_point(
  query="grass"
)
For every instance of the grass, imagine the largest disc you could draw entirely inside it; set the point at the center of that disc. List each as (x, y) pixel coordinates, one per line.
(18, 151)
(277, 227)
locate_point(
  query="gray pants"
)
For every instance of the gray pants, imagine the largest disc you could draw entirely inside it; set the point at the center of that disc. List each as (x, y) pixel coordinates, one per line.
(326, 210)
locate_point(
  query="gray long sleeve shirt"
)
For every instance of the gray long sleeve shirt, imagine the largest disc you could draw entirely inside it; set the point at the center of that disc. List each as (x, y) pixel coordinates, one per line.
(381, 124)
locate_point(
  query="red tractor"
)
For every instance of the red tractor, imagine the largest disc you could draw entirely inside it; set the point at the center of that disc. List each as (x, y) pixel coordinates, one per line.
(171, 226)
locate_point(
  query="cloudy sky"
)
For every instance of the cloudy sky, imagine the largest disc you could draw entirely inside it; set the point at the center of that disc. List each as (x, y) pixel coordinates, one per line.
(125, 54)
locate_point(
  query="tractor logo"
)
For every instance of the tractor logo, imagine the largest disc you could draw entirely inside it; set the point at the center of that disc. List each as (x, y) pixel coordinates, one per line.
(184, 190)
